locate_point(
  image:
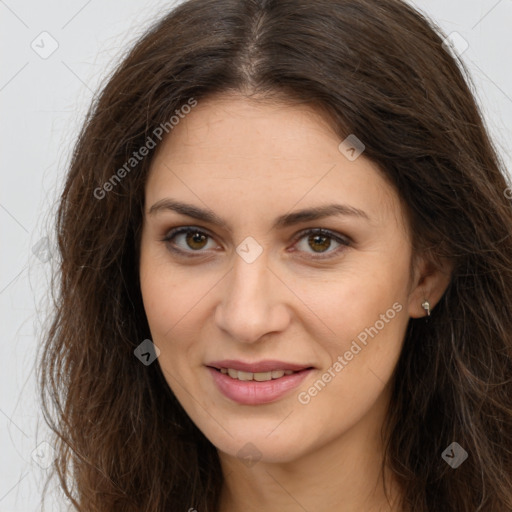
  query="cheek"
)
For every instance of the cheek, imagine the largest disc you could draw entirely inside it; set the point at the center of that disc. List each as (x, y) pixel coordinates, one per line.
(354, 300)
(174, 302)
(359, 359)
(166, 316)
(160, 290)
(169, 293)
(365, 311)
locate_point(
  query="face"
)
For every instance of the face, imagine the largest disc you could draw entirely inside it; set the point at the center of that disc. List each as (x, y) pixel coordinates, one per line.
(234, 278)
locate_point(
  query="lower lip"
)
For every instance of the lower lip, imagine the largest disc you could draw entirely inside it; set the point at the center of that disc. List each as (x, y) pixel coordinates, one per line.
(253, 392)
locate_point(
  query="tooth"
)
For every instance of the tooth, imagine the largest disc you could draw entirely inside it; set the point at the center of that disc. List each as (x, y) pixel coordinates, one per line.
(233, 373)
(245, 375)
(261, 376)
(258, 376)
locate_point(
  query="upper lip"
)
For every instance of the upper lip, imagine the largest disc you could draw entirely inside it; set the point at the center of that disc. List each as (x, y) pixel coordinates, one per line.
(259, 366)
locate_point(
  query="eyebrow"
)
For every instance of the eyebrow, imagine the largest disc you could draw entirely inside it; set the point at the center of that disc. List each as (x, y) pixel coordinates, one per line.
(283, 221)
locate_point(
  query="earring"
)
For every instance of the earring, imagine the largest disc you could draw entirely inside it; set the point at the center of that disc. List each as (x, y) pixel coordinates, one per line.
(426, 306)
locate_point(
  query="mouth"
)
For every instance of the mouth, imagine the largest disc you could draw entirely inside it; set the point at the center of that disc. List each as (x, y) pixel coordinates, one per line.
(257, 383)
(260, 371)
(256, 376)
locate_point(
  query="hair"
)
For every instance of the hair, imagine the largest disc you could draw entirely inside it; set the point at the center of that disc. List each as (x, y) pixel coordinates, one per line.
(376, 69)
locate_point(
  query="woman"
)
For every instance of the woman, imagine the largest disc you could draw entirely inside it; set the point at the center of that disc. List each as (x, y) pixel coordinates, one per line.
(286, 272)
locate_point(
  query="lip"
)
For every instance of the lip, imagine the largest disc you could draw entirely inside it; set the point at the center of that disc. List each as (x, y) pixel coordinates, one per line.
(260, 366)
(254, 392)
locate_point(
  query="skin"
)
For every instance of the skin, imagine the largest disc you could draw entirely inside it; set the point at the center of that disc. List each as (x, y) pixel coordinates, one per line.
(250, 162)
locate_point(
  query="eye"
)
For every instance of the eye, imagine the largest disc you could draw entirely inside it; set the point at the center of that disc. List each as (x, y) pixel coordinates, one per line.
(194, 239)
(320, 241)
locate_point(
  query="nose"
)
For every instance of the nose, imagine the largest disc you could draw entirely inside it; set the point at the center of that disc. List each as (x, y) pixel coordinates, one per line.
(253, 302)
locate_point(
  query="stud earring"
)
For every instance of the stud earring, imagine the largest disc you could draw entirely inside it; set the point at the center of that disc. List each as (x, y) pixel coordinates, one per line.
(426, 306)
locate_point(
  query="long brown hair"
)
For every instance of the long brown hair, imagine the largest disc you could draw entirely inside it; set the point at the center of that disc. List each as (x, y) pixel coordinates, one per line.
(377, 69)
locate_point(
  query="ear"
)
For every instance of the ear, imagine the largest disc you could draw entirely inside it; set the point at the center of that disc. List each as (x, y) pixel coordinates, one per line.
(429, 283)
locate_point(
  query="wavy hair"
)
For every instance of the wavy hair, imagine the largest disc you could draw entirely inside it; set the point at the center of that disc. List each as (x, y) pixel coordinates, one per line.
(377, 69)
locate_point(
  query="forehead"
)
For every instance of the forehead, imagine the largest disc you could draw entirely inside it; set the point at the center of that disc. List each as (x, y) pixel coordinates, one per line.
(233, 152)
(252, 129)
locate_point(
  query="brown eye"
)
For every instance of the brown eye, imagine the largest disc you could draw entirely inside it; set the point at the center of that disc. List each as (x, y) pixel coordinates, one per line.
(319, 243)
(186, 239)
(195, 240)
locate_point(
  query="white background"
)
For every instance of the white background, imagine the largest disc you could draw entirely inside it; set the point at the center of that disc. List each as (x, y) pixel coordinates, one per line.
(42, 104)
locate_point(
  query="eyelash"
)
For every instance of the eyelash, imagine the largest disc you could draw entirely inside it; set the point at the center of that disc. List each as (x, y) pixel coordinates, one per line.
(342, 240)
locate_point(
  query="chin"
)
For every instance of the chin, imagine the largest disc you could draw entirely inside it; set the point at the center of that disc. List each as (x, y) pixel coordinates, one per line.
(254, 444)
(252, 452)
